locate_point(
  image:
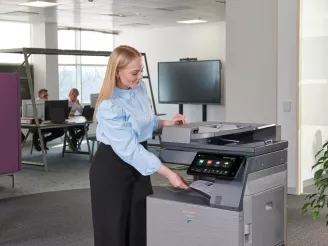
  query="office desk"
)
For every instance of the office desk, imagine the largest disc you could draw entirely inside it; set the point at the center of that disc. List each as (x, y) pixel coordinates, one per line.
(73, 121)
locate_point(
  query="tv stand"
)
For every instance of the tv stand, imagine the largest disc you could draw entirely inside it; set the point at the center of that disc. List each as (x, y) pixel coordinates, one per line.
(180, 108)
(204, 111)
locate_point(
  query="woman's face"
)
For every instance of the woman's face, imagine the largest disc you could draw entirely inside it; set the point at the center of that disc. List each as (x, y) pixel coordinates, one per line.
(74, 97)
(130, 76)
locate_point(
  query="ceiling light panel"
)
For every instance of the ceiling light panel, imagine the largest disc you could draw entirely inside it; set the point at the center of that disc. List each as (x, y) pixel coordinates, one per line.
(38, 4)
(191, 21)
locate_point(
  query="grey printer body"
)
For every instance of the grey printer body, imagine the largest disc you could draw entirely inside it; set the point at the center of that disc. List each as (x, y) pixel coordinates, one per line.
(238, 197)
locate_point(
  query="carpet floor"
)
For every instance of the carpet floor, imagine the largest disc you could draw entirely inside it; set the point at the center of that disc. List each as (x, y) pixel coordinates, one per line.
(53, 208)
(64, 218)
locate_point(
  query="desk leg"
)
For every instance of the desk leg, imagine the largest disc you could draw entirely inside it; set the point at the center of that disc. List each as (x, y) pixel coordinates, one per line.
(28, 133)
(13, 180)
(44, 156)
(86, 137)
(64, 145)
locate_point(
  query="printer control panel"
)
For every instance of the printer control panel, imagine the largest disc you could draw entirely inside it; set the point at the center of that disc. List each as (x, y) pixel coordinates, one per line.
(216, 165)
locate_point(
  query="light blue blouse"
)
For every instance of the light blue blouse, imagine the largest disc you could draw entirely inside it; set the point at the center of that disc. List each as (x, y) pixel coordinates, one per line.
(125, 120)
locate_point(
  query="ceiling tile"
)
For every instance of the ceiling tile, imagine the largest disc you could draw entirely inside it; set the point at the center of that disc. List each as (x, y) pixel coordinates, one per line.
(102, 14)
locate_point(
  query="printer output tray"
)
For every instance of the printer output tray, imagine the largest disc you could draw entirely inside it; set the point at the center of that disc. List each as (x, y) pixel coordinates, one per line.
(185, 196)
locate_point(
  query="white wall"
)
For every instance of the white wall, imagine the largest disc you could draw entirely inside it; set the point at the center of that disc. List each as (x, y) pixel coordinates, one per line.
(314, 83)
(204, 41)
(262, 69)
(251, 73)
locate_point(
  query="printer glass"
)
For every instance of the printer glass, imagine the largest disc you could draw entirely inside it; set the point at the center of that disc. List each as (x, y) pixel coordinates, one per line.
(215, 165)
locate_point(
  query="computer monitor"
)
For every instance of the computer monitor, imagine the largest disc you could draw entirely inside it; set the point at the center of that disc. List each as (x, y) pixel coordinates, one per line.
(93, 99)
(51, 104)
(189, 82)
(27, 108)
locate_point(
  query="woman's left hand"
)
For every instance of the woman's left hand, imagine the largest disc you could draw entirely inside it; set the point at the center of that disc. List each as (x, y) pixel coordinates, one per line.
(178, 119)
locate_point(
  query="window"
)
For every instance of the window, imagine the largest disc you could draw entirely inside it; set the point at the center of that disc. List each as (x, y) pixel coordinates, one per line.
(67, 80)
(96, 41)
(84, 73)
(14, 35)
(66, 41)
(92, 80)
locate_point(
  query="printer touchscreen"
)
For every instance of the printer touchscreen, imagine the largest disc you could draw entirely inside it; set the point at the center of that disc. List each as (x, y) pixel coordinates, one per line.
(216, 165)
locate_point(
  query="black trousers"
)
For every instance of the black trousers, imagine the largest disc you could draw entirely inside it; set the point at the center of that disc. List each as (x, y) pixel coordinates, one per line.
(54, 133)
(118, 198)
(76, 135)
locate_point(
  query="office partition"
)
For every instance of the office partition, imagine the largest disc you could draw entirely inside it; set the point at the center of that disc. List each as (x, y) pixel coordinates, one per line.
(10, 132)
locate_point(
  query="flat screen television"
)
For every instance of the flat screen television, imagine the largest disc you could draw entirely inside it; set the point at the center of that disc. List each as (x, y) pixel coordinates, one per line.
(189, 82)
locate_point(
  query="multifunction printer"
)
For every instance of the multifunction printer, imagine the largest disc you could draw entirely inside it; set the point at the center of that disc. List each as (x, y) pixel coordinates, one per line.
(238, 193)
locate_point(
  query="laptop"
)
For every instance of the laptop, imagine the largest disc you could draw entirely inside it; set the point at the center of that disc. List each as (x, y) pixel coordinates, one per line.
(57, 115)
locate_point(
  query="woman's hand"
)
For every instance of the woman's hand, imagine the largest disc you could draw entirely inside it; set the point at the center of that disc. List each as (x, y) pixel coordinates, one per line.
(178, 119)
(175, 179)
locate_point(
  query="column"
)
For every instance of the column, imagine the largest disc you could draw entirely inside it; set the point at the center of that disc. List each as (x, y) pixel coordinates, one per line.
(45, 67)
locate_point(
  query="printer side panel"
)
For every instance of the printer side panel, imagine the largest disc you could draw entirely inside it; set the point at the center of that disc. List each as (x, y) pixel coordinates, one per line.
(177, 223)
(265, 203)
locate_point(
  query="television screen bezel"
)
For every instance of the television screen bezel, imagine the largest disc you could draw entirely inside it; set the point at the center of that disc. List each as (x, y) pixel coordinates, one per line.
(190, 102)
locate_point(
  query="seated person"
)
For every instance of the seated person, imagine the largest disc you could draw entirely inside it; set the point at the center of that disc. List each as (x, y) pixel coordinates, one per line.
(75, 132)
(74, 103)
(54, 132)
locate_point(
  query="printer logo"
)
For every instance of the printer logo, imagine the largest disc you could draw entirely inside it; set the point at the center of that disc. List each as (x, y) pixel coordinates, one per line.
(188, 212)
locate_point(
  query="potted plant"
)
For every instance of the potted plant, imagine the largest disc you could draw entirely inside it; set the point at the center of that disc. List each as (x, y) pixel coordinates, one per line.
(317, 201)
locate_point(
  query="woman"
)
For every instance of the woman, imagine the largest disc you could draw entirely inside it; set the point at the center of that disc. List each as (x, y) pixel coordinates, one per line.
(119, 175)
(74, 103)
(76, 132)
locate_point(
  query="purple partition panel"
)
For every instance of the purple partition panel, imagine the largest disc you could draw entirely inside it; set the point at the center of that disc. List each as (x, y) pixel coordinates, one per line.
(10, 130)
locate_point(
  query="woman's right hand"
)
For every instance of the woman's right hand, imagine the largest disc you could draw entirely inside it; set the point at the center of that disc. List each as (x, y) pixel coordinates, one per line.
(175, 179)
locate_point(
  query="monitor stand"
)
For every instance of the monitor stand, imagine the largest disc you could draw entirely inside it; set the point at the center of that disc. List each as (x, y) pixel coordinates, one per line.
(204, 111)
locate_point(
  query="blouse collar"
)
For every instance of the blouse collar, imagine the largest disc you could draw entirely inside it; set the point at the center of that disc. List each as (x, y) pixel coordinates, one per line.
(122, 93)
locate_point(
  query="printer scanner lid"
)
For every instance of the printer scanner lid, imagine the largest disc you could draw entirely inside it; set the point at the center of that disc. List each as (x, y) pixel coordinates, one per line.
(235, 138)
(204, 130)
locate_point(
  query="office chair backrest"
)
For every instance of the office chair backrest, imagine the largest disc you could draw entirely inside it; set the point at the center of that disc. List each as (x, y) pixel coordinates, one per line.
(88, 113)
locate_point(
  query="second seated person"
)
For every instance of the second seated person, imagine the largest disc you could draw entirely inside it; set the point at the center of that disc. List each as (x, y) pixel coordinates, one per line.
(75, 132)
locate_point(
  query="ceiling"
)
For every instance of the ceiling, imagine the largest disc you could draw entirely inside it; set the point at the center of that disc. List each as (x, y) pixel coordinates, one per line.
(114, 14)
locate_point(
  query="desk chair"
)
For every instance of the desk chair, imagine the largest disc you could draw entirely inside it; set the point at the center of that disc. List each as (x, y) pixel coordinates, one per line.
(93, 139)
(159, 135)
(88, 114)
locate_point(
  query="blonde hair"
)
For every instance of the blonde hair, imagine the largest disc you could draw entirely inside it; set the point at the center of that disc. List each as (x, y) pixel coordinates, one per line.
(119, 59)
(72, 91)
